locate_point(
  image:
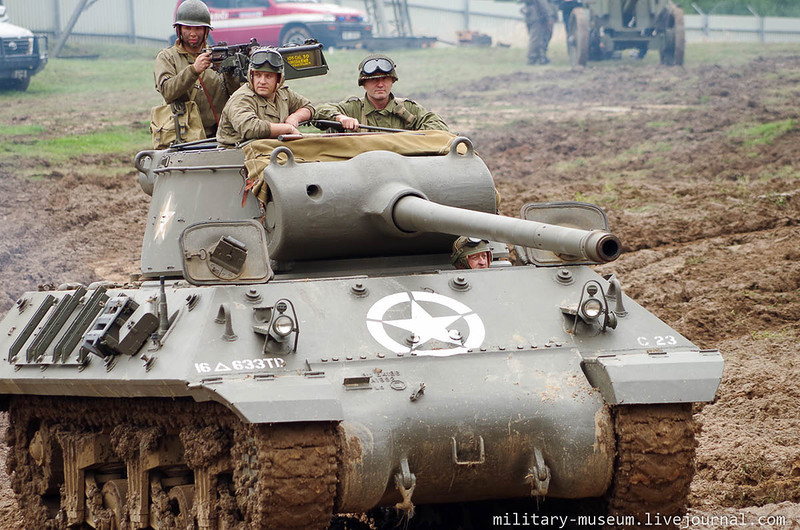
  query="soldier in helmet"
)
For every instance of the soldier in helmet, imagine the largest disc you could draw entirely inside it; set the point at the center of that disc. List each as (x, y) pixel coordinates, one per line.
(263, 107)
(471, 253)
(539, 18)
(182, 71)
(379, 107)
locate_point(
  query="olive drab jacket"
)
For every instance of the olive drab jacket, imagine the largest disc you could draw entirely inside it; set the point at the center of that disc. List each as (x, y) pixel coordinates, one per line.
(399, 113)
(177, 80)
(247, 116)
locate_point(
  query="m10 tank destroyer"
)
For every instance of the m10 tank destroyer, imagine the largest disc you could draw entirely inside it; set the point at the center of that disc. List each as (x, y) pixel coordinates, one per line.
(310, 350)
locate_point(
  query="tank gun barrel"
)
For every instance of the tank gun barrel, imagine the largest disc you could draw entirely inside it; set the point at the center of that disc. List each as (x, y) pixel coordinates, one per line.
(415, 214)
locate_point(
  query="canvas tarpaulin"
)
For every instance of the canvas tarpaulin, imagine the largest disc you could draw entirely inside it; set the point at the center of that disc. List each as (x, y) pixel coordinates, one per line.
(343, 147)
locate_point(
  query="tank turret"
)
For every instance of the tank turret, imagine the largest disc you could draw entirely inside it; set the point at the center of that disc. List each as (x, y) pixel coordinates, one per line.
(379, 203)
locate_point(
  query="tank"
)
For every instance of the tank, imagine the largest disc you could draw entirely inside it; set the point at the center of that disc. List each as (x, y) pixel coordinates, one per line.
(596, 29)
(316, 353)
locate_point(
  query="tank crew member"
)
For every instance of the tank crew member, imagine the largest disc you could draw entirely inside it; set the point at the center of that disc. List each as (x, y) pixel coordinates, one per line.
(471, 253)
(539, 19)
(263, 107)
(379, 107)
(182, 71)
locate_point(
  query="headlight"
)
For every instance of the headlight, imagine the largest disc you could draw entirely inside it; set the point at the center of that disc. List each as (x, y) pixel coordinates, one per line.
(283, 326)
(592, 308)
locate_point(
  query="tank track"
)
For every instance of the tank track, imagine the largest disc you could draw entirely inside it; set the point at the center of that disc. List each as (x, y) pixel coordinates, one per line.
(160, 463)
(655, 461)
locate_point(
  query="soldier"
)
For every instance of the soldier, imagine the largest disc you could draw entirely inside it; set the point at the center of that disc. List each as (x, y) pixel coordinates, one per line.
(471, 253)
(539, 19)
(379, 107)
(263, 107)
(182, 70)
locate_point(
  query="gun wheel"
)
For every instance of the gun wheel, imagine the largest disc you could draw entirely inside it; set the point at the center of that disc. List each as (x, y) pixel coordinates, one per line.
(655, 460)
(674, 42)
(578, 37)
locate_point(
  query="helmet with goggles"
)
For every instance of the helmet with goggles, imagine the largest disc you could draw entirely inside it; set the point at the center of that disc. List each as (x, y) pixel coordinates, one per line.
(376, 66)
(266, 59)
(466, 246)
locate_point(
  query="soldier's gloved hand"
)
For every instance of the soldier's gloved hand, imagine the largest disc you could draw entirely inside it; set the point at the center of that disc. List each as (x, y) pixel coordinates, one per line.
(347, 122)
(202, 62)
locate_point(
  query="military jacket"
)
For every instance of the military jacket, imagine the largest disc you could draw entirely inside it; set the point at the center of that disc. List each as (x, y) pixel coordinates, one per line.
(399, 114)
(247, 115)
(177, 80)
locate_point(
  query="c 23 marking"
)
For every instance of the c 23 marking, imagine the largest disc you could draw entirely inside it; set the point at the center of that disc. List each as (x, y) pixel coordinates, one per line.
(658, 340)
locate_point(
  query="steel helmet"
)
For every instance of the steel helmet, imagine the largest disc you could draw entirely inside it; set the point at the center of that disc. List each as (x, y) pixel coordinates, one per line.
(466, 246)
(193, 13)
(375, 66)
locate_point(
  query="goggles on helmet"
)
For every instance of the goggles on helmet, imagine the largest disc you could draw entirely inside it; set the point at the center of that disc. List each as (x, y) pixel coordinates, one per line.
(474, 241)
(379, 64)
(263, 57)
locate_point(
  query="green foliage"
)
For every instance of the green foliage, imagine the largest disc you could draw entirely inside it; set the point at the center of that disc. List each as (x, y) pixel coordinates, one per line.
(775, 8)
(763, 133)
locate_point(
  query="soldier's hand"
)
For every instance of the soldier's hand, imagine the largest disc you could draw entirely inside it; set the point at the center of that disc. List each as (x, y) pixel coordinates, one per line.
(348, 122)
(202, 62)
(293, 121)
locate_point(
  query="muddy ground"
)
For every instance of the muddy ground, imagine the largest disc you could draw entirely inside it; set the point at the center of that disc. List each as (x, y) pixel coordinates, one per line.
(706, 204)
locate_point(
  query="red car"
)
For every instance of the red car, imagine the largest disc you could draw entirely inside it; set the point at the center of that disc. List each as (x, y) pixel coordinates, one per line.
(279, 22)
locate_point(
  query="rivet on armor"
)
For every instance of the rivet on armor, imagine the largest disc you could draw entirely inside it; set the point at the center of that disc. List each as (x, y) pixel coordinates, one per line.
(412, 339)
(459, 283)
(564, 276)
(381, 356)
(455, 334)
(358, 289)
(252, 295)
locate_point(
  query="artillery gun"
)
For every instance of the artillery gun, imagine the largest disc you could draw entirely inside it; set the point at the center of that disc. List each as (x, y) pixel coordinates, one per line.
(598, 28)
(278, 363)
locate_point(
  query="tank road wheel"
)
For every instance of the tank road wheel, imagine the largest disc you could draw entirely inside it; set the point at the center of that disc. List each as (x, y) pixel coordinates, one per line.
(578, 37)
(285, 475)
(295, 35)
(655, 460)
(674, 42)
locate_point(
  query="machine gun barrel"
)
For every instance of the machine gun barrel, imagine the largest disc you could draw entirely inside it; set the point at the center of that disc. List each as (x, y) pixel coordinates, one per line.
(415, 214)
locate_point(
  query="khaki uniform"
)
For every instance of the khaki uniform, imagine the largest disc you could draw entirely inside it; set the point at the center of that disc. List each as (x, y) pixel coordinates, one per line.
(399, 114)
(539, 18)
(177, 80)
(247, 115)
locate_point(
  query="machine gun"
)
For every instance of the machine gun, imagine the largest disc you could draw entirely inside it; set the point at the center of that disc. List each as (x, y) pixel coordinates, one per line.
(302, 60)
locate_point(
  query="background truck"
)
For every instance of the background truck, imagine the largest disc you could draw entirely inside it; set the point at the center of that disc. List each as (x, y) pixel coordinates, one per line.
(22, 54)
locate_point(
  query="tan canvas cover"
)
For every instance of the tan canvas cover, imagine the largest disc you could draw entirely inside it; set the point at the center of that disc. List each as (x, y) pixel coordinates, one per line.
(344, 147)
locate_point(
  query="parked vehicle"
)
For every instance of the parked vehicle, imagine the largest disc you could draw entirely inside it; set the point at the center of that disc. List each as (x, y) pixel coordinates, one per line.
(596, 29)
(279, 22)
(22, 54)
